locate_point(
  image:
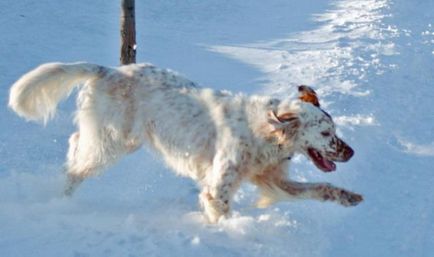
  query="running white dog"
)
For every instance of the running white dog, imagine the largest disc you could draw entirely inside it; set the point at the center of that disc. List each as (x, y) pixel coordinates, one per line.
(216, 138)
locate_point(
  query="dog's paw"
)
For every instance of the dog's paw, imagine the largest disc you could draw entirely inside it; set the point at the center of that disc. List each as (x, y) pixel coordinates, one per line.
(347, 198)
(214, 209)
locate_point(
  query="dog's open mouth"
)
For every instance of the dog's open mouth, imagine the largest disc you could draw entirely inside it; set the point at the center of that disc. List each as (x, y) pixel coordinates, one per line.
(320, 161)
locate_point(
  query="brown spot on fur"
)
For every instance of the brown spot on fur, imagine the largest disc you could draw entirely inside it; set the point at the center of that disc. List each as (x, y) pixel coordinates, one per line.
(287, 117)
(291, 189)
(258, 161)
(246, 156)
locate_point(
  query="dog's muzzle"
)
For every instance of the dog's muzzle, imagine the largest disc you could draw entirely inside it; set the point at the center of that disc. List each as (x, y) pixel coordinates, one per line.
(343, 152)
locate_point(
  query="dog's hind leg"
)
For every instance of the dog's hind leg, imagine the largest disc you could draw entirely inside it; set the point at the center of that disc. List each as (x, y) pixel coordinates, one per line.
(72, 182)
(73, 179)
(87, 159)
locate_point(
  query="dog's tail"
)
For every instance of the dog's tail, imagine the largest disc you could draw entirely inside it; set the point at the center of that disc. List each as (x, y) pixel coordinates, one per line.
(36, 94)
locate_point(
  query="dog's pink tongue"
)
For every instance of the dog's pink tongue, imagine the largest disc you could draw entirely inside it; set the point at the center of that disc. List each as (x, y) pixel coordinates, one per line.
(328, 165)
(321, 162)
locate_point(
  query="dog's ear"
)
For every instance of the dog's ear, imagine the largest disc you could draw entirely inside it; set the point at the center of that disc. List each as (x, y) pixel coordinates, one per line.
(306, 94)
(284, 126)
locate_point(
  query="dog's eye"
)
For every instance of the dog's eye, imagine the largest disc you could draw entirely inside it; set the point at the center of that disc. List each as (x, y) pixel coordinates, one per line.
(325, 134)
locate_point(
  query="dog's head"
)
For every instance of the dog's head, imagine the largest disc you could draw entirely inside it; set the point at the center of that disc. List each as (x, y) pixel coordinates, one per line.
(312, 131)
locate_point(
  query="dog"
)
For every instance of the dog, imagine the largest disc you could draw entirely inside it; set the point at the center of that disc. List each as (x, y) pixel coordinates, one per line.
(217, 138)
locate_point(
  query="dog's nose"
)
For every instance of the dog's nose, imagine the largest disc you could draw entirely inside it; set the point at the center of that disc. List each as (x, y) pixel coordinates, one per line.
(344, 150)
(348, 153)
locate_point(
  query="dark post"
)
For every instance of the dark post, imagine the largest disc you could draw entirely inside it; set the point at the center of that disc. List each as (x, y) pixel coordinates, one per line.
(128, 32)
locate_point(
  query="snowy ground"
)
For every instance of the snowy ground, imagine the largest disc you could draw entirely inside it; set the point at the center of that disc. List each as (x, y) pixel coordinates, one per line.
(372, 62)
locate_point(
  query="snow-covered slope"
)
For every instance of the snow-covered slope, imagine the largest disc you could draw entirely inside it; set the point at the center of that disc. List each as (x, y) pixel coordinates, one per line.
(372, 62)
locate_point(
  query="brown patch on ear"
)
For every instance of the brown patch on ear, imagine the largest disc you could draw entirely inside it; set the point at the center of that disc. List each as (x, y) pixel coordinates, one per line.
(308, 95)
(284, 126)
(287, 117)
(282, 118)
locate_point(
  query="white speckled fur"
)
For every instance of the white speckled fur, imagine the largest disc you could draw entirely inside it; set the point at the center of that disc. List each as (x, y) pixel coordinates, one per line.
(216, 138)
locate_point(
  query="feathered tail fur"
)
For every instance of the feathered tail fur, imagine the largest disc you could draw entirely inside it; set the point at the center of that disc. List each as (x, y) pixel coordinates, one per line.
(36, 94)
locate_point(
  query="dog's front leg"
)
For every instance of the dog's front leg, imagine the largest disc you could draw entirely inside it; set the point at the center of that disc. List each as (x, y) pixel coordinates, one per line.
(275, 186)
(320, 191)
(221, 184)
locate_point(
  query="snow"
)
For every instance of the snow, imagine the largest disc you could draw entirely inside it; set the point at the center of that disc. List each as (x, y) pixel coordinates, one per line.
(371, 62)
(416, 149)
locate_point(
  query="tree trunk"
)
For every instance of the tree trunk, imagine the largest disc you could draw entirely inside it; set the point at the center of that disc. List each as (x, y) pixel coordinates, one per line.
(128, 32)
